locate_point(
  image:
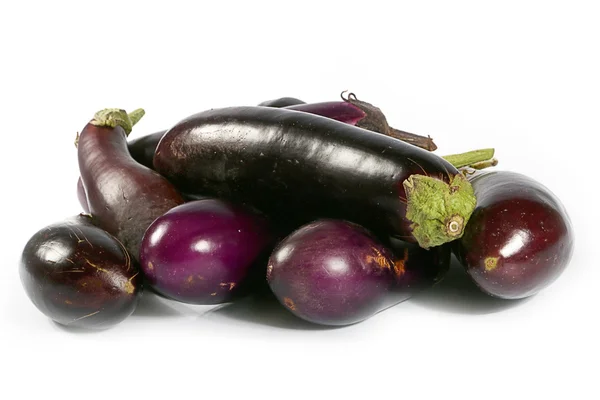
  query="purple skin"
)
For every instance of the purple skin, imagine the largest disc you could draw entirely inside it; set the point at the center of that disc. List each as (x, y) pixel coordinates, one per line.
(331, 272)
(205, 251)
(519, 238)
(364, 115)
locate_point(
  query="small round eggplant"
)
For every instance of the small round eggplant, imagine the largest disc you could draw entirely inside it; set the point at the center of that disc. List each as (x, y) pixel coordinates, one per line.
(79, 275)
(331, 272)
(519, 239)
(206, 251)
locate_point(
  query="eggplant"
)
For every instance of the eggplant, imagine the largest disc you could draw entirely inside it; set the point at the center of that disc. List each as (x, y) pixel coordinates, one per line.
(143, 148)
(206, 252)
(519, 239)
(334, 272)
(282, 102)
(298, 167)
(79, 275)
(364, 115)
(123, 196)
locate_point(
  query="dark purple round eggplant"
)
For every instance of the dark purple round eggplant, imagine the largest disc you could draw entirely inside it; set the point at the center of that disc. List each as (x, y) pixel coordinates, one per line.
(299, 167)
(364, 115)
(334, 272)
(519, 239)
(282, 102)
(143, 148)
(124, 197)
(79, 275)
(206, 252)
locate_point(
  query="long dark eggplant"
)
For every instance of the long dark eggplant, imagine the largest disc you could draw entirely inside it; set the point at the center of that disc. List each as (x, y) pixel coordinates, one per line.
(123, 196)
(299, 167)
(364, 115)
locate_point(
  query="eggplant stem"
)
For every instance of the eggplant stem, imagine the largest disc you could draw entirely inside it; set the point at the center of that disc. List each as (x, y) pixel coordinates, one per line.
(438, 211)
(471, 158)
(484, 164)
(412, 138)
(113, 117)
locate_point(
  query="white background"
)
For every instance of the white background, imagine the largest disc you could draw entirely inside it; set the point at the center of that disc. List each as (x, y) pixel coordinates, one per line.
(519, 76)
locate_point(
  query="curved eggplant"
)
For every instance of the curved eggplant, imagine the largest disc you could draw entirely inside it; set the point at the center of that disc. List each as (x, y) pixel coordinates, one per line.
(124, 197)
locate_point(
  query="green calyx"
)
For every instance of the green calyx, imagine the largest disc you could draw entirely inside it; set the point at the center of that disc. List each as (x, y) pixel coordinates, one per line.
(113, 117)
(438, 211)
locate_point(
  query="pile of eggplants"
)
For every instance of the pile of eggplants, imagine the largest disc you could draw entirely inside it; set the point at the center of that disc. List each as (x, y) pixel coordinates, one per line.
(324, 207)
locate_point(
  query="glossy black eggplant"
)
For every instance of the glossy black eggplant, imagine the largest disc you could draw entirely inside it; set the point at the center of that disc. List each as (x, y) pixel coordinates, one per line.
(300, 167)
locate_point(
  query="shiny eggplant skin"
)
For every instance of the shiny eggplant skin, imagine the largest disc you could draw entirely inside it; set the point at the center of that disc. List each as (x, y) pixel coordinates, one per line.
(282, 102)
(519, 239)
(331, 272)
(143, 148)
(334, 272)
(79, 275)
(206, 252)
(296, 166)
(124, 197)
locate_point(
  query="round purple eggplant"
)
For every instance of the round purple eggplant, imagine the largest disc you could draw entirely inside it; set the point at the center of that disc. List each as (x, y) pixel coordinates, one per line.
(331, 272)
(206, 251)
(519, 239)
(79, 275)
